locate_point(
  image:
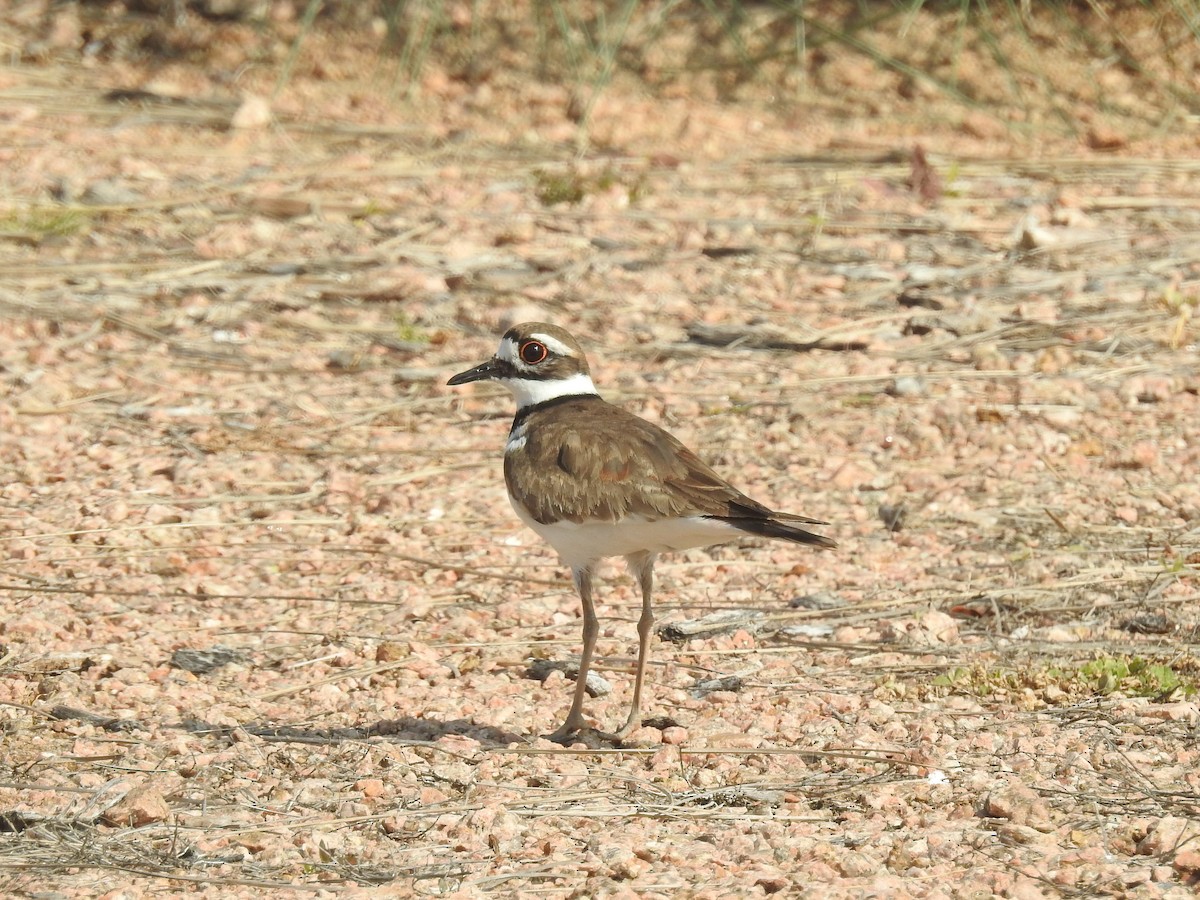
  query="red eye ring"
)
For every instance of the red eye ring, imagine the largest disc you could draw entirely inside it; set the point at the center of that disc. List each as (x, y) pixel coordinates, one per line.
(533, 352)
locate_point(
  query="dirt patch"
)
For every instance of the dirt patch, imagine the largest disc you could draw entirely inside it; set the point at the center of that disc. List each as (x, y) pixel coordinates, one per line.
(268, 621)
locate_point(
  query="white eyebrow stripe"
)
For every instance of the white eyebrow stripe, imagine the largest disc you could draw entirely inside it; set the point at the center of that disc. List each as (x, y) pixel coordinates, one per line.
(554, 346)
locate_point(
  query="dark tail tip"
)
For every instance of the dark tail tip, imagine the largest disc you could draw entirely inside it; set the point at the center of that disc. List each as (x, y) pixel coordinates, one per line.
(772, 528)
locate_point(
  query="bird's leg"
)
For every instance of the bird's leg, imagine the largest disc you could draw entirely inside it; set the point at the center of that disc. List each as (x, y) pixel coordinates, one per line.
(642, 566)
(591, 630)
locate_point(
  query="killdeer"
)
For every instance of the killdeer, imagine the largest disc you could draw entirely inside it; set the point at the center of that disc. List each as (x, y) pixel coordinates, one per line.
(597, 481)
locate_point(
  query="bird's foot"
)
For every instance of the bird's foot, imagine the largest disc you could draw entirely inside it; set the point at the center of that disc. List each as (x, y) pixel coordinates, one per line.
(567, 731)
(592, 738)
(631, 723)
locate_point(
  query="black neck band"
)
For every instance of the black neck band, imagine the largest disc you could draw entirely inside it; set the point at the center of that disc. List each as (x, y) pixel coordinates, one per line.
(523, 414)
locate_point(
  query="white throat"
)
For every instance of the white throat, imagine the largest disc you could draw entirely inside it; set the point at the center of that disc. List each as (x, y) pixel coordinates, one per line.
(530, 392)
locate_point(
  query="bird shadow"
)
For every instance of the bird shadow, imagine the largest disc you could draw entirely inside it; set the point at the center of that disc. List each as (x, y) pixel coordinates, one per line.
(404, 730)
(407, 729)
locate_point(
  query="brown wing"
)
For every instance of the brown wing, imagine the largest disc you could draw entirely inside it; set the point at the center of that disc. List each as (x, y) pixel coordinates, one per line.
(586, 459)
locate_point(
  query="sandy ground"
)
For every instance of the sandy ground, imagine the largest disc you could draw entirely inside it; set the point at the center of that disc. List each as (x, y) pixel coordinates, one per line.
(268, 626)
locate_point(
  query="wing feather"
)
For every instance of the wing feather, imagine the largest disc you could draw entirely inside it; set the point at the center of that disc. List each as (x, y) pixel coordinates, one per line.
(592, 460)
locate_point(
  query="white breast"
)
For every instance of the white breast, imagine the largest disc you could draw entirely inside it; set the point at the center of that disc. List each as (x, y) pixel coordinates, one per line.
(516, 439)
(582, 543)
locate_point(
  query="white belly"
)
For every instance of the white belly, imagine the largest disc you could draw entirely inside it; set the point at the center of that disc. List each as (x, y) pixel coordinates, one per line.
(582, 543)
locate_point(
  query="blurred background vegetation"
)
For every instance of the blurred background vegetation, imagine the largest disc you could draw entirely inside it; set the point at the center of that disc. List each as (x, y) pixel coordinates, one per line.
(1062, 65)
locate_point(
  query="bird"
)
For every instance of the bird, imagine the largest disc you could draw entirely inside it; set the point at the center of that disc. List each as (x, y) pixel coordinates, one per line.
(595, 481)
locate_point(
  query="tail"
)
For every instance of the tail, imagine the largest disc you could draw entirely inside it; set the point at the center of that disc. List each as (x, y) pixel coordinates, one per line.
(780, 525)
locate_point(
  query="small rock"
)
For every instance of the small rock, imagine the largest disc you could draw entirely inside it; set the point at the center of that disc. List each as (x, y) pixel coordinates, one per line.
(1062, 634)
(242, 735)
(819, 600)
(1144, 454)
(850, 476)
(109, 193)
(142, 805)
(908, 386)
(940, 627)
(919, 296)
(1019, 805)
(807, 630)
(857, 865)
(431, 796)
(1187, 861)
(161, 514)
(540, 670)
(1105, 137)
(1126, 514)
(723, 622)
(258, 841)
(1024, 888)
(255, 112)
(342, 359)
(371, 788)
(1148, 623)
(1132, 877)
(1062, 417)
(200, 662)
(1169, 834)
(893, 516)
(622, 862)
(706, 686)
(1180, 711)
(1019, 834)
(1149, 389)
(675, 734)
(662, 723)
(416, 375)
(771, 882)
(597, 684)
(282, 207)
(391, 651)
(986, 357)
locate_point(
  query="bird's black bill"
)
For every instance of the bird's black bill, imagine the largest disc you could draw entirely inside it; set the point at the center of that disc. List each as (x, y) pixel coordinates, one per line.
(481, 372)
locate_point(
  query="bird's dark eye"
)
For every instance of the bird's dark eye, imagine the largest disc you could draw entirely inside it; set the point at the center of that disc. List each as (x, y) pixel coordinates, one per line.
(533, 352)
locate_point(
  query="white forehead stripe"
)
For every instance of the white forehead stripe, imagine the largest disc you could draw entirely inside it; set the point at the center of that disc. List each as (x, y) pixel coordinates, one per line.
(554, 346)
(507, 350)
